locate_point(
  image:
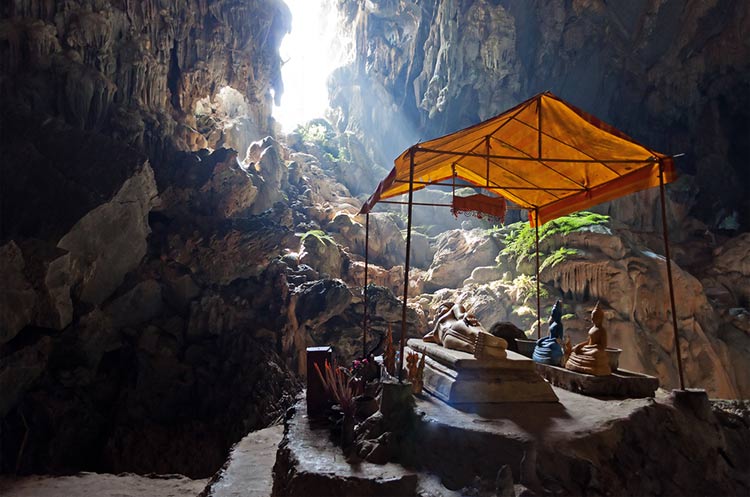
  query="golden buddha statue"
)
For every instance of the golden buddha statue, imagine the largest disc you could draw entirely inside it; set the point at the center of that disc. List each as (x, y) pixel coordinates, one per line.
(591, 356)
(459, 330)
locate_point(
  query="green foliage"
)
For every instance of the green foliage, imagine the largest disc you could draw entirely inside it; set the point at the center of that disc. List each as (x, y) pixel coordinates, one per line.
(566, 317)
(495, 229)
(557, 257)
(520, 241)
(523, 289)
(321, 133)
(321, 235)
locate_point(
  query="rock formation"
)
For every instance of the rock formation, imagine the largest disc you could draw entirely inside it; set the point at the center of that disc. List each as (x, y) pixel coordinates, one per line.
(670, 74)
(166, 257)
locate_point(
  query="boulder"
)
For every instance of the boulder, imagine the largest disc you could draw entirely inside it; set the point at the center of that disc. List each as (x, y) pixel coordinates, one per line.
(322, 253)
(319, 301)
(458, 253)
(19, 370)
(110, 240)
(17, 295)
(139, 305)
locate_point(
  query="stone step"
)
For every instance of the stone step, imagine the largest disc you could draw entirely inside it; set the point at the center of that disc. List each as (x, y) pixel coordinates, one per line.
(248, 471)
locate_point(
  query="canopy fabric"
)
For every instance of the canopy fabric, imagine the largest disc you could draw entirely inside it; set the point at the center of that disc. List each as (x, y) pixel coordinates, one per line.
(476, 205)
(544, 155)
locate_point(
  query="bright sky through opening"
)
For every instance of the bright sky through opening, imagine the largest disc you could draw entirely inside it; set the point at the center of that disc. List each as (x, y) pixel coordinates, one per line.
(310, 53)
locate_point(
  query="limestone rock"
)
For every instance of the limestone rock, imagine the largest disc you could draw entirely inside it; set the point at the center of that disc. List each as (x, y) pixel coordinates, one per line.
(210, 316)
(16, 295)
(387, 244)
(448, 65)
(142, 303)
(231, 188)
(458, 253)
(234, 251)
(271, 169)
(110, 240)
(19, 370)
(322, 253)
(484, 274)
(393, 278)
(319, 301)
(632, 280)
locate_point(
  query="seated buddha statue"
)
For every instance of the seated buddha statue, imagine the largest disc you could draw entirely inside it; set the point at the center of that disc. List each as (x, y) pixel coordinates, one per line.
(591, 356)
(459, 330)
(549, 349)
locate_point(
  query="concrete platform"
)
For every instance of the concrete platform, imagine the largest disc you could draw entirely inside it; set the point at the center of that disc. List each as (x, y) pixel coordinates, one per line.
(621, 384)
(459, 378)
(308, 464)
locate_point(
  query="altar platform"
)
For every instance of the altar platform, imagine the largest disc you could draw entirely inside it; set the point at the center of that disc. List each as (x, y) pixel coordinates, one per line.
(621, 384)
(459, 378)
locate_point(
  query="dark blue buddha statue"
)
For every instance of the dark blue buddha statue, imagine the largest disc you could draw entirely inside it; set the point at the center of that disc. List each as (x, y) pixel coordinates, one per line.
(549, 349)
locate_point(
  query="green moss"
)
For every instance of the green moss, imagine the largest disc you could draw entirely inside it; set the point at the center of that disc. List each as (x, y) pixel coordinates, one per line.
(520, 241)
(557, 257)
(321, 235)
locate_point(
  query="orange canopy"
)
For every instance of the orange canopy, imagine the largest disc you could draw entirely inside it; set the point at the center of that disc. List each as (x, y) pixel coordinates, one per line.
(544, 155)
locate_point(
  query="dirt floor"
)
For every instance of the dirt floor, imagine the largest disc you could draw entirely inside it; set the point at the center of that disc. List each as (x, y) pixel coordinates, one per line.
(248, 473)
(100, 485)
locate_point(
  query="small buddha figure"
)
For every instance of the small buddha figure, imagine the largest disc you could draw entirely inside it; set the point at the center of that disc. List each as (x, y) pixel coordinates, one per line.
(549, 349)
(459, 330)
(591, 356)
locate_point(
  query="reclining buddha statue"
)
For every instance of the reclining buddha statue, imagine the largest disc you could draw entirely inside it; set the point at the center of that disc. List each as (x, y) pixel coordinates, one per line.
(549, 349)
(591, 356)
(459, 330)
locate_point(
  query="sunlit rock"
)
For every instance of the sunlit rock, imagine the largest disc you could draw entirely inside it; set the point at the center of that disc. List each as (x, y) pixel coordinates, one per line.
(458, 253)
(111, 240)
(322, 253)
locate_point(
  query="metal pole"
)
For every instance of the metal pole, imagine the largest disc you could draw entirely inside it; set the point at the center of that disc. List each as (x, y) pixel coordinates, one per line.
(364, 288)
(406, 267)
(487, 174)
(538, 301)
(539, 127)
(669, 273)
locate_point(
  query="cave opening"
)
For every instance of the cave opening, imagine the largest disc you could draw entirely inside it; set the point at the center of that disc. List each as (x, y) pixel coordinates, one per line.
(309, 53)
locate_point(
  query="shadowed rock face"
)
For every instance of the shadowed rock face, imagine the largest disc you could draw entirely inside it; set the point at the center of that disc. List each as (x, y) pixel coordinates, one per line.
(135, 70)
(135, 271)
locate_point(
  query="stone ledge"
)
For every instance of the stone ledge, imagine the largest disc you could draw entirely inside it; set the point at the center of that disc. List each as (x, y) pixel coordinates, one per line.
(620, 384)
(308, 464)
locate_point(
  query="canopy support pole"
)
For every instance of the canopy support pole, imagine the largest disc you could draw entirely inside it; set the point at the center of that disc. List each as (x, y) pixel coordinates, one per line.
(538, 296)
(406, 267)
(669, 273)
(487, 173)
(364, 288)
(539, 127)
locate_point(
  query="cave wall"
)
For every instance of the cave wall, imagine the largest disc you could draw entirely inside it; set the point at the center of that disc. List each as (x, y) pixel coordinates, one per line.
(130, 337)
(671, 74)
